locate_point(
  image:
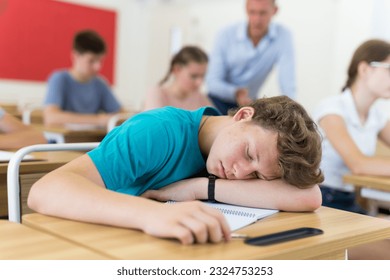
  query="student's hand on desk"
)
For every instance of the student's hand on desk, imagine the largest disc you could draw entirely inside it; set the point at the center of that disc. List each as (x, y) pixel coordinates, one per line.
(189, 222)
(184, 190)
(103, 118)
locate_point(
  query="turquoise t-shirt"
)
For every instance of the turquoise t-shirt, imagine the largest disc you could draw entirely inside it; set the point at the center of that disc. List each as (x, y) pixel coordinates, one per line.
(151, 150)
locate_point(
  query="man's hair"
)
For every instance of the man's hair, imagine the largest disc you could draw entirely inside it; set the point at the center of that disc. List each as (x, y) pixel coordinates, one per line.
(298, 142)
(89, 41)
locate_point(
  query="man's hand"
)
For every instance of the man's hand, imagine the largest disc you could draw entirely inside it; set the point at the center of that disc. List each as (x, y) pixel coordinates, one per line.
(242, 97)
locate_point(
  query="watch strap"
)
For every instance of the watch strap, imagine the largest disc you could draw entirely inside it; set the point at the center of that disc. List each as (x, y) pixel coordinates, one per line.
(211, 188)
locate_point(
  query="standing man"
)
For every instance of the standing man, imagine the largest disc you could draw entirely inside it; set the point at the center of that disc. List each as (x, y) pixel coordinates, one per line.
(244, 55)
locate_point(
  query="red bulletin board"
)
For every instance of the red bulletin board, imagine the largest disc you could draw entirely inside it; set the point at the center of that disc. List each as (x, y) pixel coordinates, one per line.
(36, 36)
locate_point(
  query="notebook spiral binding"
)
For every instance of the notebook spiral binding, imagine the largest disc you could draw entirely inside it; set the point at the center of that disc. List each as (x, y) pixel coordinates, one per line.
(229, 211)
(235, 212)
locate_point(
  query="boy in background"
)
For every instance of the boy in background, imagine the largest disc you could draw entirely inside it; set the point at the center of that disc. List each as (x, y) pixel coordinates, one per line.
(80, 94)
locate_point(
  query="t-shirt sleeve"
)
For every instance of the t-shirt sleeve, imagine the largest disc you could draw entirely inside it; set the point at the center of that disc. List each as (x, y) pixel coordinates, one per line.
(131, 154)
(109, 102)
(56, 87)
(327, 107)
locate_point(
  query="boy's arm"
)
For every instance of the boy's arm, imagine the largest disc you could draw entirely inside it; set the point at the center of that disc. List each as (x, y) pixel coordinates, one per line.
(76, 191)
(53, 115)
(275, 194)
(17, 135)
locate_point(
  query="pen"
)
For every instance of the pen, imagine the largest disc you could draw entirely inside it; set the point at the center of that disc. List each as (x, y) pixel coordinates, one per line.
(238, 235)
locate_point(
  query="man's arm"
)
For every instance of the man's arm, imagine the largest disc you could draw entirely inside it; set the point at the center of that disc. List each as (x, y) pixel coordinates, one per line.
(217, 72)
(287, 67)
(76, 191)
(275, 194)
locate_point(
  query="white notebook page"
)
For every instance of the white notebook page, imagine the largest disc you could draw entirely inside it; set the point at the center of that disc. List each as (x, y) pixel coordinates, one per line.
(5, 156)
(240, 216)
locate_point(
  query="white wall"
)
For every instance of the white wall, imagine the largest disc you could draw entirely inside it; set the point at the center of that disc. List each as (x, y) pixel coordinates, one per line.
(326, 32)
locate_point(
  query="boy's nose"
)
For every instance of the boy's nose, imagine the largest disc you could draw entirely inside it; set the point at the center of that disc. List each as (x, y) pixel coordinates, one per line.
(243, 171)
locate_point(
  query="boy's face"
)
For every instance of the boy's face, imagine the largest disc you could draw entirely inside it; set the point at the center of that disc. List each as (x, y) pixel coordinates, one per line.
(244, 150)
(87, 64)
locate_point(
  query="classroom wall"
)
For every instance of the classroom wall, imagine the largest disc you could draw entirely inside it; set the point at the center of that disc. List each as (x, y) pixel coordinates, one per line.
(325, 33)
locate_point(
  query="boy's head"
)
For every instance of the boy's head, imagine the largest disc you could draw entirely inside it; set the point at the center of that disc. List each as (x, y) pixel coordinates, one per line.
(298, 142)
(89, 41)
(88, 53)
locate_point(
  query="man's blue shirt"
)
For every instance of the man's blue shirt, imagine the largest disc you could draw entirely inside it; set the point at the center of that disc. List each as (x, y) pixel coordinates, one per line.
(236, 63)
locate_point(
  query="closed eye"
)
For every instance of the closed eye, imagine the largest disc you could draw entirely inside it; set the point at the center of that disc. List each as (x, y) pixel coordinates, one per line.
(248, 155)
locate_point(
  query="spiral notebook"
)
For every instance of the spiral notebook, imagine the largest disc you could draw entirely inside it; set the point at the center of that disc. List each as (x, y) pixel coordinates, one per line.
(240, 216)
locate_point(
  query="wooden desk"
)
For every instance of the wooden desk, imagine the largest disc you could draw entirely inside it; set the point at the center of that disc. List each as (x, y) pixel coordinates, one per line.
(373, 182)
(379, 183)
(22, 242)
(342, 230)
(30, 171)
(75, 134)
(10, 108)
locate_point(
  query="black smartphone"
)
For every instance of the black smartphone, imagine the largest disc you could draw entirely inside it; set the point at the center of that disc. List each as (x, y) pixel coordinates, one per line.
(283, 236)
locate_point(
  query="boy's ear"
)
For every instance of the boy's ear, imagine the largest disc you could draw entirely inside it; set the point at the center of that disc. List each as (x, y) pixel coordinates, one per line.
(74, 55)
(245, 113)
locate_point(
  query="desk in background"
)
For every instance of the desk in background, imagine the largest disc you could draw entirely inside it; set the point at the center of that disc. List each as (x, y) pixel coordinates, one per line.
(31, 171)
(73, 133)
(12, 109)
(373, 182)
(19, 242)
(342, 230)
(366, 189)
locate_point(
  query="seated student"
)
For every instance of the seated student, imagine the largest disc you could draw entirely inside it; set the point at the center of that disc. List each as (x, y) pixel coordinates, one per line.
(266, 154)
(80, 95)
(181, 86)
(351, 124)
(15, 135)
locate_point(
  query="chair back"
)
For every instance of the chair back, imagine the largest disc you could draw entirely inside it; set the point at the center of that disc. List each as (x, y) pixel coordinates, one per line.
(13, 184)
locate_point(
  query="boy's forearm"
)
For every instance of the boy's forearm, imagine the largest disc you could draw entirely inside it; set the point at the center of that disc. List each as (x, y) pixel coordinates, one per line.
(69, 195)
(275, 194)
(60, 118)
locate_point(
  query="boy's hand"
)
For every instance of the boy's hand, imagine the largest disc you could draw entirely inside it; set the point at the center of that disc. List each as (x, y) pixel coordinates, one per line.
(189, 222)
(184, 190)
(103, 118)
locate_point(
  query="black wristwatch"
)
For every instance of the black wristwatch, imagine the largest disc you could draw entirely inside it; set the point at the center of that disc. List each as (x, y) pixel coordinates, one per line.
(211, 188)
